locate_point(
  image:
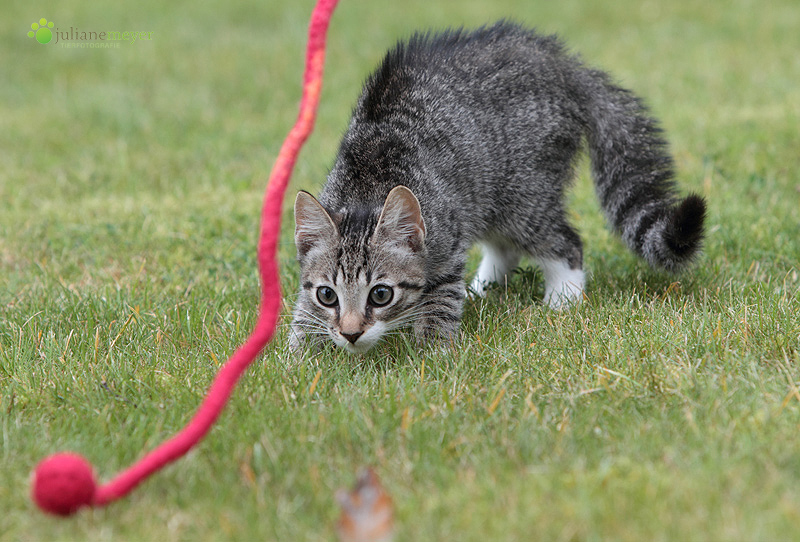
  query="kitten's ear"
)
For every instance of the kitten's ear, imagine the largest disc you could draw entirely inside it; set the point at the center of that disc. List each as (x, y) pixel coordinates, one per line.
(401, 219)
(313, 224)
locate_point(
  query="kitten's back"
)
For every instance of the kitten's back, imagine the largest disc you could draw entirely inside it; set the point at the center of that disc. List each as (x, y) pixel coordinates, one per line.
(494, 118)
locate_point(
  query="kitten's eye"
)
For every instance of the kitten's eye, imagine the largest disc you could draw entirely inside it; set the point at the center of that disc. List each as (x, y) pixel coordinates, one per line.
(380, 295)
(327, 296)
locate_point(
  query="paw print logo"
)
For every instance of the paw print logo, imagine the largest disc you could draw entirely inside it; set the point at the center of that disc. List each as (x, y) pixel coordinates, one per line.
(41, 31)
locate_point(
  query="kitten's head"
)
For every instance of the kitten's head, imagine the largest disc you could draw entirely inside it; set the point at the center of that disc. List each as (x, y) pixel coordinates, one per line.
(362, 271)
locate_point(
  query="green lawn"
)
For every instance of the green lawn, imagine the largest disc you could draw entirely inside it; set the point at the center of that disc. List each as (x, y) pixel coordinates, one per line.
(664, 408)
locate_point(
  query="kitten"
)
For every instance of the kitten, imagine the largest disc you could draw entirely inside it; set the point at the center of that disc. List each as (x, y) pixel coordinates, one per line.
(471, 136)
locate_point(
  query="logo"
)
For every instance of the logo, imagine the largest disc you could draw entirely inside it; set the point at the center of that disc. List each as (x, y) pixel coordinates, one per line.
(76, 38)
(41, 31)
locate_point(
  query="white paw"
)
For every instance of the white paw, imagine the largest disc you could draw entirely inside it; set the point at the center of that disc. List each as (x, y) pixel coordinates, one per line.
(477, 288)
(563, 287)
(497, 262)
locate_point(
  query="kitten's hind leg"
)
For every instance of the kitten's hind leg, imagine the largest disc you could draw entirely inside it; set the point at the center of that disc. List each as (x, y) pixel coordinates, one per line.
(498, 260)
(563, 284)
(562, 265)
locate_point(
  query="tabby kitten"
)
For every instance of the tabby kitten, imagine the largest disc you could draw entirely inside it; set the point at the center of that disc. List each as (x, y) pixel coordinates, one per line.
(471, 136)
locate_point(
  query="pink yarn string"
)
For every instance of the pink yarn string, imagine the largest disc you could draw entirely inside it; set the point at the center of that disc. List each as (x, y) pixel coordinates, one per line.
(229, 374)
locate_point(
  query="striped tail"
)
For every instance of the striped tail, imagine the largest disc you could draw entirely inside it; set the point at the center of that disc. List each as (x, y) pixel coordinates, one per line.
(633, 176)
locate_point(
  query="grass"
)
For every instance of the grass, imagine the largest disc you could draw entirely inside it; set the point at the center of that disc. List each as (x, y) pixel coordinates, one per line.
(663, 408)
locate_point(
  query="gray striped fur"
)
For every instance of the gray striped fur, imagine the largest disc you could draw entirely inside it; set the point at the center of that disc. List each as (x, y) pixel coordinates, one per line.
(483, 127)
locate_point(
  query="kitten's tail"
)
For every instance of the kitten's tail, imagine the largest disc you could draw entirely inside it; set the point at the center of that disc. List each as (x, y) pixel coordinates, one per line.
(634, 179)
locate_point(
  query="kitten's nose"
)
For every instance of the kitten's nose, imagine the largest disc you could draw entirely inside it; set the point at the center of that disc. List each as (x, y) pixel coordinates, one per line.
(352, 337)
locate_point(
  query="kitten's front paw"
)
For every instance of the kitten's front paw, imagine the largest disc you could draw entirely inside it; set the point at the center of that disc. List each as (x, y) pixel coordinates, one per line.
(300, 341)
(296, 343)
(438, 333)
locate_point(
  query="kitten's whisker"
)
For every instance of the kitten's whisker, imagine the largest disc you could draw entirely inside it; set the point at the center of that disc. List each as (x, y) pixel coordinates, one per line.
(410, 315)
(303, 313)
(309, 319)
(315, 325)
(309, 326)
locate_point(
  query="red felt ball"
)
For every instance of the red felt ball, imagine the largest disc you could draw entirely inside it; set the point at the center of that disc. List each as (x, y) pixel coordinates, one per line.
(63, 483)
